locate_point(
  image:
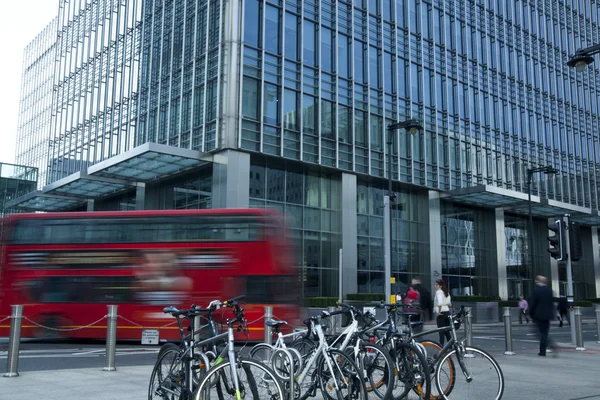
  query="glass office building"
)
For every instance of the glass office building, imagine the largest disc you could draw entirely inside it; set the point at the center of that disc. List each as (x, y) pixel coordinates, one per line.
(285, 104)
(35, 107)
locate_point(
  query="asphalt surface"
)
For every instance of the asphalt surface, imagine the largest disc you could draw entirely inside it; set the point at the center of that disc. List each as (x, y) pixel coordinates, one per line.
(65, 369)
(41, 355)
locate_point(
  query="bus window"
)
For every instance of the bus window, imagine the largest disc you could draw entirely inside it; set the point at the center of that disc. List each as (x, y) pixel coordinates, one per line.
(281, 289)
(80, 289)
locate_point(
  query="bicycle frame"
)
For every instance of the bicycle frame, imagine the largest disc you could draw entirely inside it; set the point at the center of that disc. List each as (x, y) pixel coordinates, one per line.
(320, 351)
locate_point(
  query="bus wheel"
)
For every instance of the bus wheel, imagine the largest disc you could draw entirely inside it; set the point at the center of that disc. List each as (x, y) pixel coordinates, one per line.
(51, 325)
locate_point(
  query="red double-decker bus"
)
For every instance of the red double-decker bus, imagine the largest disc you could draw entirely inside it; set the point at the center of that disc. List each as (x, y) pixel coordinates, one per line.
(65, 268)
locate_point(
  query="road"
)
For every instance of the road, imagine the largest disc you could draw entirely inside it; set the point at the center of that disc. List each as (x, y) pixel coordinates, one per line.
(77, 368)
(40, 355)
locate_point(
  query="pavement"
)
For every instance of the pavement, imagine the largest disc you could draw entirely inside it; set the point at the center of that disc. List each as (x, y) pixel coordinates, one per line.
(566, 375)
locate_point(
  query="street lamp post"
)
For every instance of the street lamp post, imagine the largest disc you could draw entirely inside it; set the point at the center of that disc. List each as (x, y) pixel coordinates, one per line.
(412, 126)
(582, 58)
(548, 170)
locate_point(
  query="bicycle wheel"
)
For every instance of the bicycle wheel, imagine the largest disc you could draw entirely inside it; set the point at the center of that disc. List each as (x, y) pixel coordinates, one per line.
(305, 346)
(413, 380)
(167, 380)
(339, 378)
(262, 352)
(481, 377)
(432, 350)
(379, 369)
(256, 382)
(280, 363)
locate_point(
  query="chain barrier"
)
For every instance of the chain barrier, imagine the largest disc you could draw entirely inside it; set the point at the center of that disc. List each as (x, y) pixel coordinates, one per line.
(256, 320)
(64, 329)
(4, 319)
(144, 327)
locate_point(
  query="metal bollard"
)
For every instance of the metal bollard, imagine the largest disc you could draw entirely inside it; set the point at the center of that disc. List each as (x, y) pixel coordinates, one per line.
(268, 316)
(578, 330)
(12, 362)
(508, 332)
(196, 327)
(469, 326)
(598, 321)
(111, 338)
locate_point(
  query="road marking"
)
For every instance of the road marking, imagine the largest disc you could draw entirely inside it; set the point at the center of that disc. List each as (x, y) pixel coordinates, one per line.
(502, 338)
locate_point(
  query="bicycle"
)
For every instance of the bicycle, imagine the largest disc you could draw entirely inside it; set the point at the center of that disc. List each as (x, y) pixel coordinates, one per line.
(413, 371)
(233, 377)
(330, 370)
(178, 369)
(375, 362)
(264, 352)
(476, 365)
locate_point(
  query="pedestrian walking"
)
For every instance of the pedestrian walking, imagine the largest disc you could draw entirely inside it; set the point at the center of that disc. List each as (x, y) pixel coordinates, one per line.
(563, 310)
(441, 306)
(425, 298)
(542, 311)
(523, 305)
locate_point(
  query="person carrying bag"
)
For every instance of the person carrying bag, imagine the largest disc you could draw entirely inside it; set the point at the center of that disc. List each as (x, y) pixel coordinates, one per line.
(442, 304)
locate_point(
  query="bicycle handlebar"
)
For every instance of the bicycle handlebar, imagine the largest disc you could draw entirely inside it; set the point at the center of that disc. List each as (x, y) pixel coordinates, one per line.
(234, 299)
(325, 314)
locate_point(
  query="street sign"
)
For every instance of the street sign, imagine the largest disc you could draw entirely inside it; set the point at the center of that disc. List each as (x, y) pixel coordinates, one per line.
(150, 336)
(392, 280)
(369, 309)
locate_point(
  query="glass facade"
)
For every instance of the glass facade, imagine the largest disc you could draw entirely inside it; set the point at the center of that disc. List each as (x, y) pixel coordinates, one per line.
(95, 83)
(311, 201)
(180, 73)
(35, 106)
(309, 88)
(488, 78)
(409, 237)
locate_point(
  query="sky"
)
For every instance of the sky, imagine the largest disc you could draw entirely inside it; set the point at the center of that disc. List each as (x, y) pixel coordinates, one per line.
(20, 22)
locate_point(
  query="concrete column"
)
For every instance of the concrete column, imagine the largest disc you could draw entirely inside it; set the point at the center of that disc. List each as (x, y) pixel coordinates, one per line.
(500, 239)
(231, 65)
(591, 258)
(231, 180)
(140, 196)
(349, 234)
(432, 269)
(90, 205)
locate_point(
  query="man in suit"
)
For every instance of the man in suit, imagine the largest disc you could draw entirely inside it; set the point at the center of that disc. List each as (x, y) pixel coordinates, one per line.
(541, 310)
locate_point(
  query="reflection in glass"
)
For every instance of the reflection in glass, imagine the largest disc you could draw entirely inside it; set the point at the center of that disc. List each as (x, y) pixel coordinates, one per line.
(252, 23)
(250, 98)
(271, 104)
(291, 36)
(272, 28)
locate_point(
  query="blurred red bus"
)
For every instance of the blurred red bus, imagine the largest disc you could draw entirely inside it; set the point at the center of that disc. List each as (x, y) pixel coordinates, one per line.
(65, 268)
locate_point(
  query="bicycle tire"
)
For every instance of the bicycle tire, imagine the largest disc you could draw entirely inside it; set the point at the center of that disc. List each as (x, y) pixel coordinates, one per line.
(413, 372)
(343, 373)
(467, 367)
(218, 382)
(168, 375)
(432, 350)
(262, 352)
(382, 383)
(305, 346)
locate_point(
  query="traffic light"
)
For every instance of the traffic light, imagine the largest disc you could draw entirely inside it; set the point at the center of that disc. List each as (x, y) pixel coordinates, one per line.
(574, 242)
(557, 241)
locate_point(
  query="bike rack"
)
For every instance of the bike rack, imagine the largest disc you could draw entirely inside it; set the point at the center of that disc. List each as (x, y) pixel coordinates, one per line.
(285, 353)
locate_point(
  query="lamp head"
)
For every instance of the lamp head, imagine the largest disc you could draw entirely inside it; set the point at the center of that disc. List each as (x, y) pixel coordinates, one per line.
(551, 171)
(413, 126)
(580, 61)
